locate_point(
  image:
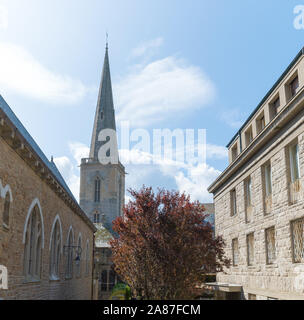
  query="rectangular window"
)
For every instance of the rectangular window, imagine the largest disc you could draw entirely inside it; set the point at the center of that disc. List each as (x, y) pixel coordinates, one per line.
(268, 179)
(294, 162)
(235, 252)
(260, 123)
(234, 153)
(250, 249)
(270, 245)
(248, 199)
(248, 136)
(294, 85)
(274, 107)
(297, 240)
(233, 202)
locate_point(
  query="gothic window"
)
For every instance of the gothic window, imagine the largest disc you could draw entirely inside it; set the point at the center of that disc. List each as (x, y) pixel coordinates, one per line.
(69, 256)
(104, 280)
(87, 259)
(97, 190)
(55, 252)
(96, 217)
(78, 258)
(111, 279)
(33, 248)
(6, 211)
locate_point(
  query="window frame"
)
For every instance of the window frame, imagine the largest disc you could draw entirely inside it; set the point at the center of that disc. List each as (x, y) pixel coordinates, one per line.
(233, 203)
(235, 253)
(55, 252)
(97, 189)
(249, 262)
(270, 260)
(33, 246)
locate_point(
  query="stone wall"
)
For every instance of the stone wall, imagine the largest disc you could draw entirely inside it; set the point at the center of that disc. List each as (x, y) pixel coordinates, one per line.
(26, 186)
(283, 279)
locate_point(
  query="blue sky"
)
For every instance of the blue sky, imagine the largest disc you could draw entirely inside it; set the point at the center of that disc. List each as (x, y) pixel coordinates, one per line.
(174, 64)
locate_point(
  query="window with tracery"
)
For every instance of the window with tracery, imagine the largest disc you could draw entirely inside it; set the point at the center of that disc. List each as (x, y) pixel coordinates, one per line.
(33, 246)
(55, 252)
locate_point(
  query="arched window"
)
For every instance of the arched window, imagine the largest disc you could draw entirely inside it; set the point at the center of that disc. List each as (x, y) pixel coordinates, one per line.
(6, 211)
(55, 252)
(104, 280)
(112, 280)
(97, 190)
(87, 259)
(96, 217)
(33, 246)
(69, 255)
(79, 260)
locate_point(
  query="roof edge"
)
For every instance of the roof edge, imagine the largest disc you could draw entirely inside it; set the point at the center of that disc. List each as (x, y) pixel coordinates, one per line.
(298, 56)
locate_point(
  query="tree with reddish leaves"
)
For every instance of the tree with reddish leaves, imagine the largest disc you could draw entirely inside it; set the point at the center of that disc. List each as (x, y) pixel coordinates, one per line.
(165, 245)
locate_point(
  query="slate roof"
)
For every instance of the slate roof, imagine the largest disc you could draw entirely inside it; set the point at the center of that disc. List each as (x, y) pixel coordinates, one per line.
(17, 123)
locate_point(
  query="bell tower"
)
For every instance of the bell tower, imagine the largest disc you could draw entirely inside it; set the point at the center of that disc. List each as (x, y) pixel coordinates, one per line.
(102, 186)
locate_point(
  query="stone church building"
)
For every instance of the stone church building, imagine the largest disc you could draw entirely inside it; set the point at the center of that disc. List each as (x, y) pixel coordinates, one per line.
(102, 186)
(259, 198)
(46, 239)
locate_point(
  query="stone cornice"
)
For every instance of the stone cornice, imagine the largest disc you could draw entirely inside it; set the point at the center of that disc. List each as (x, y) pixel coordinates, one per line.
(293, 107)
(19, 144)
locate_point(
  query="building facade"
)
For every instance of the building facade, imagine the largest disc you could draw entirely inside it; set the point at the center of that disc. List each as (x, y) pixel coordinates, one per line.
(46, 240)
(102, 184)
(259, 198)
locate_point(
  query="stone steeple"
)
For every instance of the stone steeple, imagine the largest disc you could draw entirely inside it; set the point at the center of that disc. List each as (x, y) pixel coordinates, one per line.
(105, 114)
(102, 186)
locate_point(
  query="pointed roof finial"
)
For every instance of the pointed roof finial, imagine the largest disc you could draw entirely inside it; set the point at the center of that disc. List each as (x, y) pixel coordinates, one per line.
(107, 41)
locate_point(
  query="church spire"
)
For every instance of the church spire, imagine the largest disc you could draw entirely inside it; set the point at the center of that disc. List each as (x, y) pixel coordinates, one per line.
(105, 114)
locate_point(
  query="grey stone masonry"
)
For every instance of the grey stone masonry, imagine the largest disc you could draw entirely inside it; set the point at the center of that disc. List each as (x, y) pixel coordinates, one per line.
(103, 202)
(276, 269)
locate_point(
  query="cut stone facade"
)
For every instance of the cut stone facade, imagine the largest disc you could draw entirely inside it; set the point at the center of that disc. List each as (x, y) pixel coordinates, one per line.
(266, 272)
(32, 182)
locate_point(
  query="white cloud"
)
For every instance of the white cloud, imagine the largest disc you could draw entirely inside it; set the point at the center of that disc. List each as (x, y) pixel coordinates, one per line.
(22, 73)
(67, 170)
(3, 17)
(79, 151)
(69, 167)
(217, 152)
(189, 178)
(196, 181)
(154, 92)
(147, 48)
